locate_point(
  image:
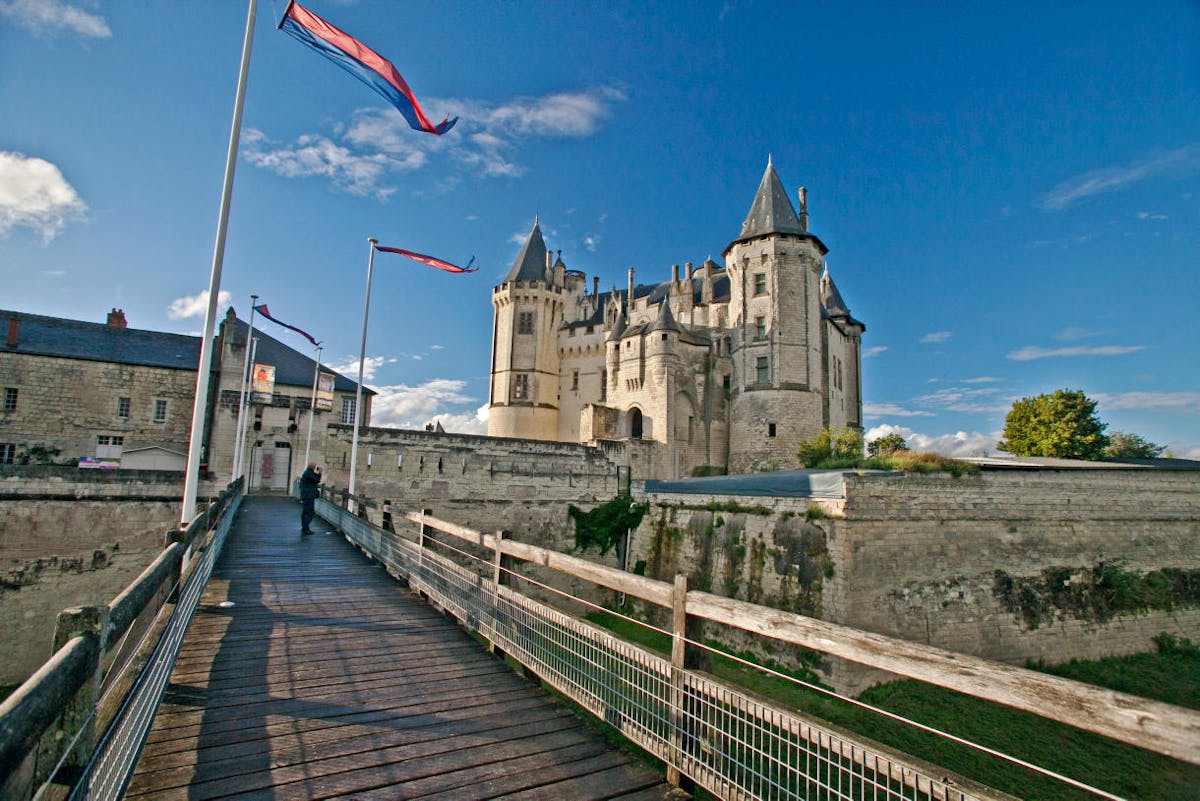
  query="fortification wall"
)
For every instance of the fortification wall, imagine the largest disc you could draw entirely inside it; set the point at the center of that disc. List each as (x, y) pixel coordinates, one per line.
(1007, 565)
(71, 537)
(487, 483)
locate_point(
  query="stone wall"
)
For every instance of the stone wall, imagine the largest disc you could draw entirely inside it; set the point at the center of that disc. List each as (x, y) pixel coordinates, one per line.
(71, 537)
(67, 403)
(916, 557)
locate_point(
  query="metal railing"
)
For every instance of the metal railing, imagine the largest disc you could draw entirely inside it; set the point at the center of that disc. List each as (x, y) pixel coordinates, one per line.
(726, 740)
(79, 721)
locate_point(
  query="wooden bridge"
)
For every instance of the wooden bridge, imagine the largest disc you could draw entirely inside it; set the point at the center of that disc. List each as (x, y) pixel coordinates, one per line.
(308, 673)
(248, 661)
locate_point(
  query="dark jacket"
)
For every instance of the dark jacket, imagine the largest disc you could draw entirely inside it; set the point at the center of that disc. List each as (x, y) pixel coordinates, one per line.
(308, 485)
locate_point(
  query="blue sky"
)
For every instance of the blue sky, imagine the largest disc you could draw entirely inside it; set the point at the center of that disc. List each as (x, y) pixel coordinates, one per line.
(1011, 197)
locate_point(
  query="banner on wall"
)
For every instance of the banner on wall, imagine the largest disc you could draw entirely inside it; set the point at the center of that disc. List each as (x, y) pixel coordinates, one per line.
(325, 392)
(262, 383)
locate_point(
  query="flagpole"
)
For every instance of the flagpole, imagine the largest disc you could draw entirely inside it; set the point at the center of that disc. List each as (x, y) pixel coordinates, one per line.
(200, 407)
(245, 424)
(237, 440)
(312, 405)
(362, 357)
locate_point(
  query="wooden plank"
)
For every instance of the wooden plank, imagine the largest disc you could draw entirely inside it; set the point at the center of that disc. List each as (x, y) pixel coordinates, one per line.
(610, 783)
(327, 677)
(1170, 730)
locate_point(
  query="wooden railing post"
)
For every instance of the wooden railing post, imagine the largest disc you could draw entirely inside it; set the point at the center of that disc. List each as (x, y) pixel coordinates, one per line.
(499, 577)
(76, 717)
(683, 656)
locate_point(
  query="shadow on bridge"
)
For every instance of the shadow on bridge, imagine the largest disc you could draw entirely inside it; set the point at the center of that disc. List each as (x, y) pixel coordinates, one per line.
(326, 679)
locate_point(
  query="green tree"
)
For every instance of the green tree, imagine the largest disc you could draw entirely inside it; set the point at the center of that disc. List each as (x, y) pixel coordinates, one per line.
(843, 445)
(1063, 424)
(887, 445)
(1131, 446)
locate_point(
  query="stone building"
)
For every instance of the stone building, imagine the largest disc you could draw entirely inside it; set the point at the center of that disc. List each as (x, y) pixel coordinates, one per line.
(108, 395)
(723, 366)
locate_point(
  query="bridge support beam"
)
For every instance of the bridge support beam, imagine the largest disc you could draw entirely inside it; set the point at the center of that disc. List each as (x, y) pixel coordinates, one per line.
(72, 738)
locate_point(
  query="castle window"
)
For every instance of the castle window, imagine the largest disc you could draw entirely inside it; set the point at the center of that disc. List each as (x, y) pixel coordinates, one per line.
(591, 329)
(10, 398)
(770, 429)
(604, 385)
(348, 411)
(763, 368)
(525, 323)
(160, 410)
(726, 383)
(8, 452)
(760, 283)
(107, 439)
(760, 328)
(664, 336)
(575, 380)
(520, 389)
(122, 407)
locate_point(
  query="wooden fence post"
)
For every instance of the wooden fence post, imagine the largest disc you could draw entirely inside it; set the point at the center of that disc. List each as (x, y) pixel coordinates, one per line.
(499, 577)
(77, 717)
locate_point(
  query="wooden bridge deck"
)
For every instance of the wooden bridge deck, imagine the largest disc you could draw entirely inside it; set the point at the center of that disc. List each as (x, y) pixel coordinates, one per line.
(327, 679)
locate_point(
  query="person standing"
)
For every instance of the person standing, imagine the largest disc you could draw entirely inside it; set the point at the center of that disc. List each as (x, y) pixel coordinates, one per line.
(309, 481)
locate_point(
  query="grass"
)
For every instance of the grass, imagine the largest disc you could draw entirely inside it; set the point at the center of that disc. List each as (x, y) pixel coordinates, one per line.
(1171, 676)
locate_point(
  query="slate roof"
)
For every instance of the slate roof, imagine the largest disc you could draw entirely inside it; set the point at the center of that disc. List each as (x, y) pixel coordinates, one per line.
(771, 212)
(531, 261)
(291, 366)
(40, 335)
(655, 293)
(75, 339)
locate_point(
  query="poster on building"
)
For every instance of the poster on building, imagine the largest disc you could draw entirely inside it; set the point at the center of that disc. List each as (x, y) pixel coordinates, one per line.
(262, 383)
(325, 392)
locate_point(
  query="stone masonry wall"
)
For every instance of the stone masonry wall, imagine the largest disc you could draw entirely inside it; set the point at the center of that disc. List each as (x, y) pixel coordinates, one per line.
(71, 537)
(916, 557)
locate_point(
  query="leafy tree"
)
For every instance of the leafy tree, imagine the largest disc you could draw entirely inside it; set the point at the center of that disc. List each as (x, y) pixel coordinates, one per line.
(841, 445)
(887, 445)
(1063, 424)
(1131, 446)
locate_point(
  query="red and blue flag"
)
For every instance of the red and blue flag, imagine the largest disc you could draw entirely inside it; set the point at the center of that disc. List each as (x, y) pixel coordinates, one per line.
(262, 309)
(360, 61)
(430, 260)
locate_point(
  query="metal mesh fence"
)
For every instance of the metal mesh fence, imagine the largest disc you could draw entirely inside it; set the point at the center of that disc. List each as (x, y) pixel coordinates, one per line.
(730, 743)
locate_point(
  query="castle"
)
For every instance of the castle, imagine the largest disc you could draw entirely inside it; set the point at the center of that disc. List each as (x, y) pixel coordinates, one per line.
(720, 368)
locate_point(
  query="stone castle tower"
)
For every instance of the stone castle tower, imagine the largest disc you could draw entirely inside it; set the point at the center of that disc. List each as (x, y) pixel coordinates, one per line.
(720, 367)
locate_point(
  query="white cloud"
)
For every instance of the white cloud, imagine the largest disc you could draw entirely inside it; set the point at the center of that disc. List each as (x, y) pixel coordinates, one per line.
(892, 410)
(1031, 352)
(1179, 162)
(55, 16)
(349, 367)
(958, 444)
(354, 173)
(364, 156)
(936, 337)
(970, 401)
(1147, 215)
(1178, 450)
(590, 241)
(54, 273)
(437, 347)
(983, 379)
(875, 351)
(196, 305)
(1183, 401)
(403, 406)
(1062, 243)
(34, 194)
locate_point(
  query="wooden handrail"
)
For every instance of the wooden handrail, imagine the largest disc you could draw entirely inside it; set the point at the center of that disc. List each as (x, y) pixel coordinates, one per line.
(1153, 725)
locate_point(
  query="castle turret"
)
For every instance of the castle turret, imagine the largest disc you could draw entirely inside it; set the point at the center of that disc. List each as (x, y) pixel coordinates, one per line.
(528, 308)
(775, 315)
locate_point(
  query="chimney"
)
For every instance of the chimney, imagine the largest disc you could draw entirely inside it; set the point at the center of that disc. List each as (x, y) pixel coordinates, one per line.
(629, 297)
(674, 273)
(803, 209)
(690, 270)
(116, 319)
(595, 285)
(14, 330)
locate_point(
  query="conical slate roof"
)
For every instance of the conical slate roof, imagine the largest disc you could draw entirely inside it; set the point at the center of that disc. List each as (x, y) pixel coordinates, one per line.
(619, 325)
(771, 212)
(531, 261)
(665, 320)
(831, 299)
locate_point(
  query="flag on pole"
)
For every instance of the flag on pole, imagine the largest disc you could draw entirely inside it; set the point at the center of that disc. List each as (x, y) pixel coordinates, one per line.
(360, 61)
(430, 260)
(262, 309)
